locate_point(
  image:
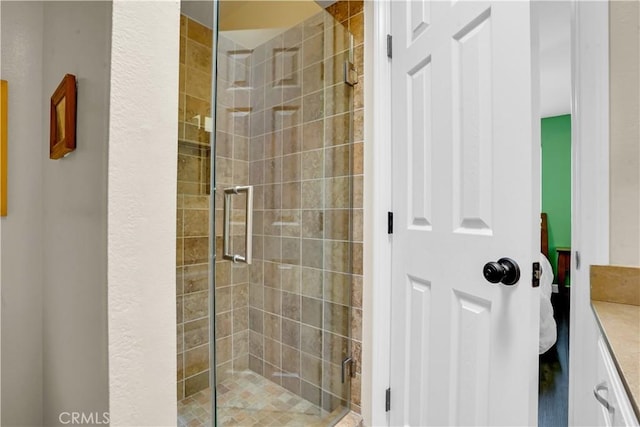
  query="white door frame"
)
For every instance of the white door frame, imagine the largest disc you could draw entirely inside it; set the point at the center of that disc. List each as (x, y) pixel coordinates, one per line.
(376, 332)
(590, 193)
(590, 202)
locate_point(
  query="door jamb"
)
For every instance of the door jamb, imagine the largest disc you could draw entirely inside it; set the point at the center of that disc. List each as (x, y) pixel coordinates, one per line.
(590, 191)
(376, 333)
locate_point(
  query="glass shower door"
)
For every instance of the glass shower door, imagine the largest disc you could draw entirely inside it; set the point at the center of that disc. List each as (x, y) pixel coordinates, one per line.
(283, 129)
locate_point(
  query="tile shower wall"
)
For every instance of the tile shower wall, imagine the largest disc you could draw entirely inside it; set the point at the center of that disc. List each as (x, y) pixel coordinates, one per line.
(301, 279)
(350, 13)
(194, 154)
(306, 175)
(232, 169)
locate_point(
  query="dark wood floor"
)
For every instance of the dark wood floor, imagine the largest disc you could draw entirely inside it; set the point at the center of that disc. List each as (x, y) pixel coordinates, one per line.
(553, 391)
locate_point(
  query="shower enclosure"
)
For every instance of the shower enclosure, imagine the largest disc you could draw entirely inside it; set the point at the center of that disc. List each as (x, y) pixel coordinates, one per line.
(264, 267)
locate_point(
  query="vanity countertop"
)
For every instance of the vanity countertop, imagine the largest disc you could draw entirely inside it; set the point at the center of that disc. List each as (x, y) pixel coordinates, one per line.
(620, 324)
(615, 298)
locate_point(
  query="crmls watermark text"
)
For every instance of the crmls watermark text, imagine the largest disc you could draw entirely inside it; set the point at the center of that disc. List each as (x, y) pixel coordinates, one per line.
(84, 418)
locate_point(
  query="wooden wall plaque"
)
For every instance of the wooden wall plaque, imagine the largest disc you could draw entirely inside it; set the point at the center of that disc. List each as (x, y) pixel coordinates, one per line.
(62, 139)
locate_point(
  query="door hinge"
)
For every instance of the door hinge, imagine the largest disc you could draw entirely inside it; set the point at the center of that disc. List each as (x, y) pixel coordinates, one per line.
(389, 222)
(389, 46)
(347, 363)
(350, 73)
(536, 274)
(387, 400)
(577, 260)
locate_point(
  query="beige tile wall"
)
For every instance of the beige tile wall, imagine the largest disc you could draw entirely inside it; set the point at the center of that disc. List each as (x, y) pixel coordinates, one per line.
(292, 311)
(351, 14)
(194, 155)
(306, 174)
(232, 169)
(231, 281)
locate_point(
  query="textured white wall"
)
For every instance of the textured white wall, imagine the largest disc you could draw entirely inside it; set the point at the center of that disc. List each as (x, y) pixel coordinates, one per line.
(624, 69)
(142, 213)
(77, 41)
(22, 254)
(54, 342)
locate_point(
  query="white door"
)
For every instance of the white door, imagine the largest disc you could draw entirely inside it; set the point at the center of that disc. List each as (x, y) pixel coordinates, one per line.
(466, 171)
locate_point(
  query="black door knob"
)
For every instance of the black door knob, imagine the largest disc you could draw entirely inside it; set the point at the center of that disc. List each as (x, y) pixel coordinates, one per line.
(505, 270)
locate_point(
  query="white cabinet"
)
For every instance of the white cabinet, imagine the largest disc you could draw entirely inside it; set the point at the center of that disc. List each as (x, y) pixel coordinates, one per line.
(609, 393)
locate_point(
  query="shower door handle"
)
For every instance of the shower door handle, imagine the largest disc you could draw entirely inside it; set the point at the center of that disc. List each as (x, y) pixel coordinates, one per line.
(248, 224)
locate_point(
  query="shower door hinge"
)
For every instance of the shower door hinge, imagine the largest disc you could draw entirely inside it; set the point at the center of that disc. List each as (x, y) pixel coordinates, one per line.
(347, 363)
(387, 400)
(536, 274)
(389, 46)
(350, 73)
(389, 222)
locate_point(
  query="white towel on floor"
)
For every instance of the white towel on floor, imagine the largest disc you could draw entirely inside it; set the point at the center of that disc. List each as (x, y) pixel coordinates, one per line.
(548, 328)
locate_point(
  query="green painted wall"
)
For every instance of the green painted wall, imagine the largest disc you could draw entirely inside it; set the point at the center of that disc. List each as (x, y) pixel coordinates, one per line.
(556, 182)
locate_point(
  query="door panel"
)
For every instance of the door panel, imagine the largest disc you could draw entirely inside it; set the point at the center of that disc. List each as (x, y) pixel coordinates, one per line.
(419, 96)
(465, 173)
(472, 116)
(470, 337)
(418, 15)
(419, 350)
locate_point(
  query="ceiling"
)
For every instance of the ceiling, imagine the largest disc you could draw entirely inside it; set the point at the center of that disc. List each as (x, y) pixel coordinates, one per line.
(258, 14)
(253, 14)
(555, 58)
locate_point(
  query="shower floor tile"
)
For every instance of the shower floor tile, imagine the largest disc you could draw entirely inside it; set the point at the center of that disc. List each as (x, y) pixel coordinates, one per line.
(248, 399)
